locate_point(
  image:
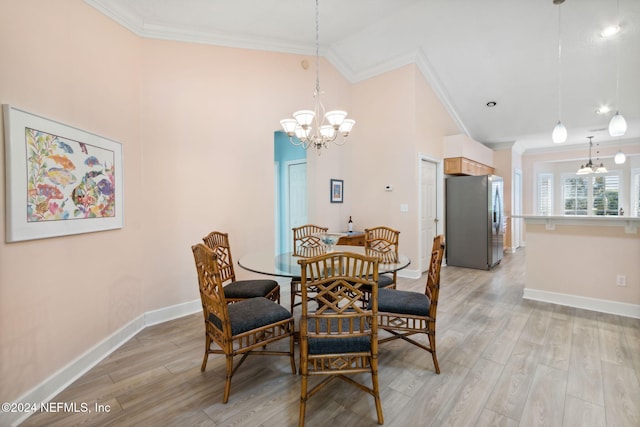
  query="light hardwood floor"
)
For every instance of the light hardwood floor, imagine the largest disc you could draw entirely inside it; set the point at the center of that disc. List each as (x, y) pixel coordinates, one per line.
(505, 361)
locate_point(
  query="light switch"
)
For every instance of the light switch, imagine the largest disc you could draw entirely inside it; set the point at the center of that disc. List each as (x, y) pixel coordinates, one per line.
(404, 207)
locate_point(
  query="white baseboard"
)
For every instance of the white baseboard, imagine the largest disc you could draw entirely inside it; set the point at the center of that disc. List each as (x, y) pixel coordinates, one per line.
(409, 274)
(603, 306)
(60, 380)
(173, 312)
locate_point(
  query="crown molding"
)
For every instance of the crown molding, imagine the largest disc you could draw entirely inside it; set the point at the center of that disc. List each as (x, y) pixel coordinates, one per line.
(175, 33)
(423, 64)
(137, 26)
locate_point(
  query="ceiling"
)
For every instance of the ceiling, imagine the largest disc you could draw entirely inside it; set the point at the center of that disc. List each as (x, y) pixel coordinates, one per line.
(471, 52)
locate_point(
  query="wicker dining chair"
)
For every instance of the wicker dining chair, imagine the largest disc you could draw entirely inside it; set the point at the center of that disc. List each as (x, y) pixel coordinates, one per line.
(382, 243)
(238, 290)
(405, 313)
(338, 338)
(241, 328)
(306, 244)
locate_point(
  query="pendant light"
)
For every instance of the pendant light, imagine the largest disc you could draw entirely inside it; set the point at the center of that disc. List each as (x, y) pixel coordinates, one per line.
(559, 134)
(617, 125)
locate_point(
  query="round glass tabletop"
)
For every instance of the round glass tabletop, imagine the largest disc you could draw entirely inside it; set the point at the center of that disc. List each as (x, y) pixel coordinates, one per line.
(286, 264)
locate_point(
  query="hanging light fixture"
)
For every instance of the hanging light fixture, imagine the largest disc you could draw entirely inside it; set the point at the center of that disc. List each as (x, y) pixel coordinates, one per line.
(589, 167)
(559, 134)
(617, 125)
(308, 127)
(619, 157)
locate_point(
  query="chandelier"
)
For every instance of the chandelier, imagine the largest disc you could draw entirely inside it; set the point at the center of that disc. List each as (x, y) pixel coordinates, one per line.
(590, 167)
(316, 128)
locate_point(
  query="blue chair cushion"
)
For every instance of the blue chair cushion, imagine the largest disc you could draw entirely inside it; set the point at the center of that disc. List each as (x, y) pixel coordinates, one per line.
(251, 314)
(384, 280)
(403, 302)
(337, 345)
(249, 288)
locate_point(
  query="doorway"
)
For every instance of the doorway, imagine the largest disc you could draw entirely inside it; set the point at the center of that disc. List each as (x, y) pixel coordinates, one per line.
(431, 206)
(291, 190)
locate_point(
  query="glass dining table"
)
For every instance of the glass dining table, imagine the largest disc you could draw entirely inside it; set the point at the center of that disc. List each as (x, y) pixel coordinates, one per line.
(286, 264)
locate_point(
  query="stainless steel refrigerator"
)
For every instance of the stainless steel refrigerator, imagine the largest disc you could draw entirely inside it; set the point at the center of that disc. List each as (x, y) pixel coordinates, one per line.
(474, 221)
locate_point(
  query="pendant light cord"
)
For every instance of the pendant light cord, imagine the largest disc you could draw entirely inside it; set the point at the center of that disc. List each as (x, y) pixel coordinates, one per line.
(618, 57)
(559, 63)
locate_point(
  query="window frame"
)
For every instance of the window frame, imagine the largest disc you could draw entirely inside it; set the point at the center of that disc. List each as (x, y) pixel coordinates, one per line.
(545, 176)
(634, 200)
(590, 197)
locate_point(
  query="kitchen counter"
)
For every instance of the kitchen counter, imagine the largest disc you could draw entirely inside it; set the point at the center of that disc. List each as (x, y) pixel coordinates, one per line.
(589, 262)
(630, 224)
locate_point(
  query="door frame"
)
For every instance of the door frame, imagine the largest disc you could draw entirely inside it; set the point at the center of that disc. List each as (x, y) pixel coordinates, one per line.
(423, 246)
(516, 223)
(287, 244)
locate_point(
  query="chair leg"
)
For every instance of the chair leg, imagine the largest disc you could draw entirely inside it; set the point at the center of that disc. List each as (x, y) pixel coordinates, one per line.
(227, 384)
(376, 389)
(303, 399)
(206, 353)
(293, 294)
(432, 345)
(292, 353)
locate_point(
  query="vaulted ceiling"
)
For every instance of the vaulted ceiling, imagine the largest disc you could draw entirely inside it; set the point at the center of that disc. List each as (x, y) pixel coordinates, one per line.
(471, 52)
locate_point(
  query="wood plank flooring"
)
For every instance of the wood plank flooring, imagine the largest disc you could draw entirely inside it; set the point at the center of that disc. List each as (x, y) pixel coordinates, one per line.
(505, 361)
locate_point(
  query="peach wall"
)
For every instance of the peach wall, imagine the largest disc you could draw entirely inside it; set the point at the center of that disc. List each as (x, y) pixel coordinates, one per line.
(207, 128)
(400, 118)
(59, 296)
(196, 123)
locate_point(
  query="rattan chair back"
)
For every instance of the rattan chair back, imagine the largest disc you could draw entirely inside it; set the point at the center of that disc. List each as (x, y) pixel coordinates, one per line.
(306, 243)
(219, 243)
(338, 330)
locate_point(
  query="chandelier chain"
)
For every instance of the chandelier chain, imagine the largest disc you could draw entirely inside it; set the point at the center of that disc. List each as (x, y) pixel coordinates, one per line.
(317, 49)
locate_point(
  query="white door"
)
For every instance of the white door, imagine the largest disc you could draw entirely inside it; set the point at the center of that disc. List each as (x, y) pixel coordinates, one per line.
(296, 198)
(517, 209)
(428, 209)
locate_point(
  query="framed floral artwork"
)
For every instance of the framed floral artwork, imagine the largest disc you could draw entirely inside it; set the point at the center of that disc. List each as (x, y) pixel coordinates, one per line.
(60, 180)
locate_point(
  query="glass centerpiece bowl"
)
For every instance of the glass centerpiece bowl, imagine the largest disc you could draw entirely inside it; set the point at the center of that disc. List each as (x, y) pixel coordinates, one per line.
(330, 239)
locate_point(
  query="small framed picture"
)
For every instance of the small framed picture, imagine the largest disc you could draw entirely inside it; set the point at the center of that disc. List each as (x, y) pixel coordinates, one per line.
(337, 191)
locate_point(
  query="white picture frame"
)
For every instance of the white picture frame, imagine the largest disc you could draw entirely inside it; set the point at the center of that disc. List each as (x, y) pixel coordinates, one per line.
(60, 180)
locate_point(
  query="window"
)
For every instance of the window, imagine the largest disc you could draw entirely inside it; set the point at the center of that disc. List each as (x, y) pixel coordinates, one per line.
(576, 195)
(605, 194)
(635, 192)
(591, 194)
(545, 194)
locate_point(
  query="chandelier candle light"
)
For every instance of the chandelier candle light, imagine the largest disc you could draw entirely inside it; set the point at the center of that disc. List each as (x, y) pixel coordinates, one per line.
(590, 167)
(309, 127)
